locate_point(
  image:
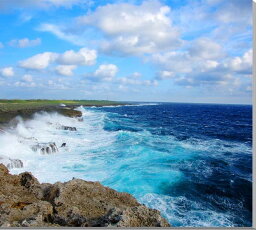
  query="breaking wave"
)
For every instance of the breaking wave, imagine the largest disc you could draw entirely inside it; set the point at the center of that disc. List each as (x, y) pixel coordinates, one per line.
(190, 162)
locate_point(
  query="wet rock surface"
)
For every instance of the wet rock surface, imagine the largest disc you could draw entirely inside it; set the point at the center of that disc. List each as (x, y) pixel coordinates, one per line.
(11, 163)
(24, 202)
(45, 148)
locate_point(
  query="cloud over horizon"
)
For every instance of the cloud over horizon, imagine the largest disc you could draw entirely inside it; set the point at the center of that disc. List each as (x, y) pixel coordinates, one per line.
(154, 46)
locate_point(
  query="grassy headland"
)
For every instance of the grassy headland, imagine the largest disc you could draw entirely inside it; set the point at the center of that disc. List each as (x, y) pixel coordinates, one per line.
(26, 108)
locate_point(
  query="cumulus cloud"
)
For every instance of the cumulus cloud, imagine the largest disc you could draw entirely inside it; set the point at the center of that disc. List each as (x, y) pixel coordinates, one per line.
(134, 29)
(106, 71)
(25, 42)
(197, 68)
(83, 57)
(202, 55)
(42, 60)
(7, 72)
(126, 29)
(39, 61)
(242, 65)
(206, 48)
(65, 70)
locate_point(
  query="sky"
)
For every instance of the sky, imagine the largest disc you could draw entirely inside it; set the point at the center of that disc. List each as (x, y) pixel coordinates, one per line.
(196, 51)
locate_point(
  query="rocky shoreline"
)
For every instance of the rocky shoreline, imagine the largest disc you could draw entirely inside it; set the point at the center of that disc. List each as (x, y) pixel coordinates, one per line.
(24, 202)
(36, 145)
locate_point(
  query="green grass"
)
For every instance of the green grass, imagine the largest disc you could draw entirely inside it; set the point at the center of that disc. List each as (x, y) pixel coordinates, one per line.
(25, 108)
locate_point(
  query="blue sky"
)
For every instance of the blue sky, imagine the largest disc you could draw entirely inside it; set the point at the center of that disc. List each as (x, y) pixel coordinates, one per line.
(151, 50)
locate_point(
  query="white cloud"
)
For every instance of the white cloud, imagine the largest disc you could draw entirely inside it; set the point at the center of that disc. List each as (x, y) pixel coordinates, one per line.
(39, 61)
(7, 72)
(241, 64)
(106, 71)
(25, 42)
(198, 67)
(229, 11)
(164, 74)
(127, 29)
(42, 60)
(27, 78)
(83, 57)
(206, 49)
(65, 70)
(63, 34)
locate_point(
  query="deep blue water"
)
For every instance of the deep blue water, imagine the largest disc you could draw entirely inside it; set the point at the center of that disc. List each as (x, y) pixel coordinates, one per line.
(193, 162)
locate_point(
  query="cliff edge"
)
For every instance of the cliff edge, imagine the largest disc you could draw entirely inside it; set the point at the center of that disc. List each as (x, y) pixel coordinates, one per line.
(24, 202)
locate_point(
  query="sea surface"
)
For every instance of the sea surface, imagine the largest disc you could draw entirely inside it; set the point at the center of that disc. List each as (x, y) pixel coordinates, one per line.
(192, 162)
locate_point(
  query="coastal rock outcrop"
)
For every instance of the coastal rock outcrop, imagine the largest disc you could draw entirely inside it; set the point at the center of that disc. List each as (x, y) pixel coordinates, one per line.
(45, 148)
(25, 202)
(11, 163)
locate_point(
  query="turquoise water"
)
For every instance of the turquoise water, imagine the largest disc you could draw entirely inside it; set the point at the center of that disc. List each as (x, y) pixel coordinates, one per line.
(192, 162)
(181, 159)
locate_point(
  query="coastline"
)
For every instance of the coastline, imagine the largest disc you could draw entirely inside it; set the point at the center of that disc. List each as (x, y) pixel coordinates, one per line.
(76, 203)
(73, 203)
(9, 109)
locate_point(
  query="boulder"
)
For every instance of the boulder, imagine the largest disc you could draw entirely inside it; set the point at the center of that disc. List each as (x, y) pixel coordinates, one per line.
(24, 202)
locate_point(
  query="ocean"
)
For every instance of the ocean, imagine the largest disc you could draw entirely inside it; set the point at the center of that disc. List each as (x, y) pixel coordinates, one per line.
(192, 162)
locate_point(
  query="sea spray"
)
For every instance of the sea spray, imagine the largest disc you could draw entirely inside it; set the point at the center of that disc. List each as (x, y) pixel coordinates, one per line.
(188, 161)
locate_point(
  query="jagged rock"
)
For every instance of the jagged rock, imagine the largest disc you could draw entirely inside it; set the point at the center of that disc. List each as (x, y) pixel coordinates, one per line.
(11, 163)
(45, 148)
(68, 128)
(63, 145)
(24, 202)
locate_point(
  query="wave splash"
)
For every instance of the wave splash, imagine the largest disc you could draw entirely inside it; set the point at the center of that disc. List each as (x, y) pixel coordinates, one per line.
(162, 171)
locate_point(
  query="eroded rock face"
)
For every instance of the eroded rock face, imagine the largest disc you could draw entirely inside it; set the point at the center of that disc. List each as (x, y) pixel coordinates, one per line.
(25, 202)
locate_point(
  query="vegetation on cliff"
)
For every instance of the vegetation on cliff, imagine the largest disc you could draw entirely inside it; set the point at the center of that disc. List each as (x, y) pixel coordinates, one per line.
(26, 108)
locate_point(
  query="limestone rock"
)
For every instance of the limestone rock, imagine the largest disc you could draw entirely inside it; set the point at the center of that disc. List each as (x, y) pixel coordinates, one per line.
(24, 202)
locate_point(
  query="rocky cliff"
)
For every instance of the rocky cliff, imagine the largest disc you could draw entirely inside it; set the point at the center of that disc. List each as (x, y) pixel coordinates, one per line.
(24, 202)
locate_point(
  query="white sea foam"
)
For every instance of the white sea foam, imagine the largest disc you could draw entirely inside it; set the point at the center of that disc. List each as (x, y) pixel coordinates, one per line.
(119, 158)
(196, 214)
(45, 127)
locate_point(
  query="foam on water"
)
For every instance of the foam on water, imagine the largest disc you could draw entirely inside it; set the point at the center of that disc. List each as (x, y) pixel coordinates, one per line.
(190, 180)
